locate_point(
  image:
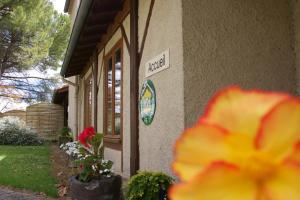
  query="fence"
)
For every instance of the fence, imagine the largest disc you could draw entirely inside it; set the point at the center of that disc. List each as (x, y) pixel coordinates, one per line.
(15, 113)
(44, 118)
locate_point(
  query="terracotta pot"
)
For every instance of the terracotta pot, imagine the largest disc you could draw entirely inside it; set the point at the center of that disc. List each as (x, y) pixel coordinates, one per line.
(97, 189)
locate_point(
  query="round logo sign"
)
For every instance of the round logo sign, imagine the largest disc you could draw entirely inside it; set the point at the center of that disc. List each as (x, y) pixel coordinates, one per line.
(147, 102)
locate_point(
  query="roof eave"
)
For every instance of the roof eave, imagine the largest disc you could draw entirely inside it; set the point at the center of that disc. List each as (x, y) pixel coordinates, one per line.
(81, 16)
(67, 4)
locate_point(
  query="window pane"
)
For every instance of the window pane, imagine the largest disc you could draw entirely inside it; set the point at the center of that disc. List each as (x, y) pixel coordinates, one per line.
(118, 92)
(109, 97)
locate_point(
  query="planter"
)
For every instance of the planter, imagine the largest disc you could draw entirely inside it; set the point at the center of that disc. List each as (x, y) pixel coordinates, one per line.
(163, 195)
(97, 189)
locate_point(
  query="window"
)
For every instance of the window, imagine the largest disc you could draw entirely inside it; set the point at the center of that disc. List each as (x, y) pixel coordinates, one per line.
(88, 102)
(113, 95)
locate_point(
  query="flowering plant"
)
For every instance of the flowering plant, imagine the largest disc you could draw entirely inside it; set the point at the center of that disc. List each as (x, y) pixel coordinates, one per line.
(88, 154)
(246, 146)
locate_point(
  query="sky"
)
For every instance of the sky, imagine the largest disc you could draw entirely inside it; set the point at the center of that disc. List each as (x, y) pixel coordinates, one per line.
(59, 6)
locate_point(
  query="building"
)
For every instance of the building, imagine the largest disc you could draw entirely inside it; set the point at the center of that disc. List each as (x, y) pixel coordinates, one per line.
(60, 97)
(188, 49)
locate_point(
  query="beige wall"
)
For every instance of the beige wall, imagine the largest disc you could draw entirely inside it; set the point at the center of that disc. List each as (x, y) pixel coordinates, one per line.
(81, 100)
(213, 44)
(165, 32)
(248, 43)
(296, 7)
(72, 107)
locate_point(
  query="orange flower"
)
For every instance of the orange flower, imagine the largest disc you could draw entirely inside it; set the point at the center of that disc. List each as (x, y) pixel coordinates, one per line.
(246, 146)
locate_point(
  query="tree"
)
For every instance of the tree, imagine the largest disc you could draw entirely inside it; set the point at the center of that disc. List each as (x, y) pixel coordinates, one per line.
(32, 36)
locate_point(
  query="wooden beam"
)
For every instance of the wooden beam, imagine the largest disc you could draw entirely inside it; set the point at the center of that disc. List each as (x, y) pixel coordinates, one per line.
(102, 17)
(146, 30)
(81, 54)
(95, 76)
(95, 29)
(125, 37)
(84, 46)
(106, 5)
(114, 26)
(91, 39)
(134, 87)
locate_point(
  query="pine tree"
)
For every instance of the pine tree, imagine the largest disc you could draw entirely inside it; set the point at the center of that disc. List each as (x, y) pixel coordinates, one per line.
(32, 36)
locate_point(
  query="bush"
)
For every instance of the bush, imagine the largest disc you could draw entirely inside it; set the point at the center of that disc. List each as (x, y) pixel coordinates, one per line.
(13, 131)
(65, 136)
(65, 132)
(148, 186)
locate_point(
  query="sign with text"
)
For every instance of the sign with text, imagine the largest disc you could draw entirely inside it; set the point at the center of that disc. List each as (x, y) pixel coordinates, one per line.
(158, 64)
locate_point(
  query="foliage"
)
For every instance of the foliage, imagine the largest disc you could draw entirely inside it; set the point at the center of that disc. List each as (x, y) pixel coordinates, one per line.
(148, 186)
(32, 36)
(65, 136)
(14, 132)
(27, 167)
(72, 149)
(65, 132)
(88, 154)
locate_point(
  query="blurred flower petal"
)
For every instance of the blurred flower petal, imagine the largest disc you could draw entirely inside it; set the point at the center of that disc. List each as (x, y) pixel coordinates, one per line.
(240, 111)
(219, 181)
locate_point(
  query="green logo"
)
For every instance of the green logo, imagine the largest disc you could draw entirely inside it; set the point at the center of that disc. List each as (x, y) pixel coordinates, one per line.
(147, 102)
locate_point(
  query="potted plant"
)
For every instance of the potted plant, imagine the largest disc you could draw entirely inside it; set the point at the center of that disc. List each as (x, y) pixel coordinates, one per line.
(96, 179)
(65, 136)
(148, 186)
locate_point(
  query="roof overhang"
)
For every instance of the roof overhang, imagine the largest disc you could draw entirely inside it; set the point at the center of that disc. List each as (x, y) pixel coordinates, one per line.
(60, 94)
(91, 23)
(67, 4)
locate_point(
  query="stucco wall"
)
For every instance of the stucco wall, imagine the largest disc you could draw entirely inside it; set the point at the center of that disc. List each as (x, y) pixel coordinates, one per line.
(165, 31)
(247, 43)
(72, 106)
(296, 7)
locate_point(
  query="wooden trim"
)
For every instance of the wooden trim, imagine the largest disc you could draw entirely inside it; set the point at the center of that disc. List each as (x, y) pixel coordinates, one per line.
(114, 26)
(125, 37)
(146, 30)
(116, 139)
(134, 88)
(102, 64)
(86, 109)
(95, 76)
(114, 146)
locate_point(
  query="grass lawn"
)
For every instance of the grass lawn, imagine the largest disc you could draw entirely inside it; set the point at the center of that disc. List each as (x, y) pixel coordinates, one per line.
(27, 167)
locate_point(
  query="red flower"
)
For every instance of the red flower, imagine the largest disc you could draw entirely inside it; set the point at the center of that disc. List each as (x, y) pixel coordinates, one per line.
(86, 135)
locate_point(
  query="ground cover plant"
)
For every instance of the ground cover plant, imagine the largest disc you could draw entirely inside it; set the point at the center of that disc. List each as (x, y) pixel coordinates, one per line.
(148, 186)
(13, 131)
(27, 167)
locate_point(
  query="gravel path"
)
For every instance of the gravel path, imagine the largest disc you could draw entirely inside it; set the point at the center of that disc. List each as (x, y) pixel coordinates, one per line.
(7, 194)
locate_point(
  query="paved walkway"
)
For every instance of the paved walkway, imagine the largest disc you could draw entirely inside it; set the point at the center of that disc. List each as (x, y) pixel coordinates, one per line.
(6, 194)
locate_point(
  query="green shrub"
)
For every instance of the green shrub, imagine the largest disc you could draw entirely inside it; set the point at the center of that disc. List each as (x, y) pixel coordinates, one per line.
(65, 132)
(65, 136)
(13, 131)
(148, 186)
